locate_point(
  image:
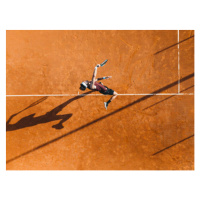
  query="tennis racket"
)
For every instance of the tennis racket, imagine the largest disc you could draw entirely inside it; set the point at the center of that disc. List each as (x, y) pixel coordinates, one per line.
(103, 63)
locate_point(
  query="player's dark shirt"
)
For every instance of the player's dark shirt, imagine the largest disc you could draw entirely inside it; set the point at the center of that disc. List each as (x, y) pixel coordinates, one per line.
(99, 87)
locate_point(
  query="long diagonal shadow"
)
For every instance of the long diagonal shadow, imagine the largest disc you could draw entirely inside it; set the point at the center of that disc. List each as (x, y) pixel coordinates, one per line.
(167, 98)
(30, 120)
(173, 45)
(101, 118)
(173, 145)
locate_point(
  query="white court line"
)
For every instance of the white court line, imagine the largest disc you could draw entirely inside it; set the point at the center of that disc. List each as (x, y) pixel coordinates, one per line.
(178, 66)
(60, 95)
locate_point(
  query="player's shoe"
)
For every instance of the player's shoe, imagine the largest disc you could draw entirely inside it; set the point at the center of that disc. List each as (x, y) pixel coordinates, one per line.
(58, 126)
(105, 105)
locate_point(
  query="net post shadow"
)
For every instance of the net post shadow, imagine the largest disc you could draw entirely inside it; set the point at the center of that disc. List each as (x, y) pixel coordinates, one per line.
(173, 45)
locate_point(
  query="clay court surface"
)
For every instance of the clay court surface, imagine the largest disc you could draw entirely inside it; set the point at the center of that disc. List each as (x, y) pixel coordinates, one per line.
(51, 127)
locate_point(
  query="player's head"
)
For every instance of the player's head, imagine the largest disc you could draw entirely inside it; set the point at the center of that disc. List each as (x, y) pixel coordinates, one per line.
(84, 85)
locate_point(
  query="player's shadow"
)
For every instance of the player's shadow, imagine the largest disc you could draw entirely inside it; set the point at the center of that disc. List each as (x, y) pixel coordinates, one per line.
(30, 120)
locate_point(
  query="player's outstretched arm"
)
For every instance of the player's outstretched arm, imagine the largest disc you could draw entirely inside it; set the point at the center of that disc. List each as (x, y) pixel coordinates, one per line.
(106, 77)
(94, 77)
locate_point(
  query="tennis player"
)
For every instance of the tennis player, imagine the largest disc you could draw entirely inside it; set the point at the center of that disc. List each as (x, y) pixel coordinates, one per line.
(98, 86)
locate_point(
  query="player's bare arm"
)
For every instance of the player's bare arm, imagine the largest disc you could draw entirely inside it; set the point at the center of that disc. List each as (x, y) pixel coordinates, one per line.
(92, 86)
(106, 77)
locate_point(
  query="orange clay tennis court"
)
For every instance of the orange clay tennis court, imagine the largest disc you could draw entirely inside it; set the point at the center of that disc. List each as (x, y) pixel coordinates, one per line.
(52, 125)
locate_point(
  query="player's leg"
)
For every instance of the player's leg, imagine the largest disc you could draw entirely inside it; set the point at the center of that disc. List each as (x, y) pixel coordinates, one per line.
(111, 99)
(63, 119)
